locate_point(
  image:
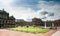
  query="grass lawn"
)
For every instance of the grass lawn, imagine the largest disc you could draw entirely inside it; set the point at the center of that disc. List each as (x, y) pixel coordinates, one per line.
(30, 29)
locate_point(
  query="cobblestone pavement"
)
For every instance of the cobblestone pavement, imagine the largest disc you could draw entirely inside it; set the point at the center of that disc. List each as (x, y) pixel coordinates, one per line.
(4, 32)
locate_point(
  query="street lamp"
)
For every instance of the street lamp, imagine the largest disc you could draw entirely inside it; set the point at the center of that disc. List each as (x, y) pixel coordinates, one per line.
(45, 24)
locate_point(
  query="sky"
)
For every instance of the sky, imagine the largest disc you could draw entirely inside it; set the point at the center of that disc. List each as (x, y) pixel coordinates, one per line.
(28, 9)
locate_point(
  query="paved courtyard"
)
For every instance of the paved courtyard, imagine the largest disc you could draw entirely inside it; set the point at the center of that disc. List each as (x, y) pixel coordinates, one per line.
(57, 33)
(4, 32)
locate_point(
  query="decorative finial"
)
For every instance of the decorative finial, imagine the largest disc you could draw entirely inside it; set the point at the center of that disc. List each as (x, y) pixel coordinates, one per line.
(3, 9)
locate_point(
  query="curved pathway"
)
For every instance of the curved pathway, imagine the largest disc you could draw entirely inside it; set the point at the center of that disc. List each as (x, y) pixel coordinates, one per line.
(4, 32)
(57, 33)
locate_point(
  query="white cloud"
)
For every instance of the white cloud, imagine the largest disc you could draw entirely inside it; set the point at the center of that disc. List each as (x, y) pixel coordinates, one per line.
(28, 13)
(51, 8)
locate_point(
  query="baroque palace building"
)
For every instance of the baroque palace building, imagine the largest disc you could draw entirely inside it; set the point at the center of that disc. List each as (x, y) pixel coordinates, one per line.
(5, 19)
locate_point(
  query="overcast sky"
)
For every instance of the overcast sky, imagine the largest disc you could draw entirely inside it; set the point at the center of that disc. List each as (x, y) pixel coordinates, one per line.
(28, 9)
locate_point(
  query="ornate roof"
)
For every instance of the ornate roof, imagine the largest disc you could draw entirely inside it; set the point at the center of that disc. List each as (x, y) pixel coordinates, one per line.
(3, 12)
(7, 14)
(11, 17)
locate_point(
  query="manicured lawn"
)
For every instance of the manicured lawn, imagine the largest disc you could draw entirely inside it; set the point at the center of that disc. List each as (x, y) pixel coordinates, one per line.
(30, 29)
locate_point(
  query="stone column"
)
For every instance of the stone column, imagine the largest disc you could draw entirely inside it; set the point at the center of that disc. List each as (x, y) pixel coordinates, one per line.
(1, 21)
(4, 23)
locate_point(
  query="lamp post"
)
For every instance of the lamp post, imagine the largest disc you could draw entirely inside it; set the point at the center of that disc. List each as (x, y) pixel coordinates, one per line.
(45, 24)
(52, 24)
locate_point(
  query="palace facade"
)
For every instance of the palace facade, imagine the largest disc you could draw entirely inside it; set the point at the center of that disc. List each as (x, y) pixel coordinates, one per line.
(5, 19)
